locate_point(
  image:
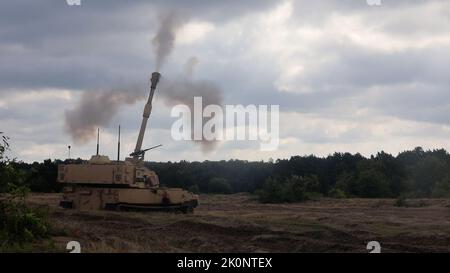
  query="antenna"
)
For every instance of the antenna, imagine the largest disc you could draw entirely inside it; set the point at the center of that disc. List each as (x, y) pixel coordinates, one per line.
(118, 146)
(98, 136)
(69, 151)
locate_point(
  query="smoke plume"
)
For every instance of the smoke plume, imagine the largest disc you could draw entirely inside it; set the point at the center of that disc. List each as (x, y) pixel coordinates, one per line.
(96, 109)
(164, 40)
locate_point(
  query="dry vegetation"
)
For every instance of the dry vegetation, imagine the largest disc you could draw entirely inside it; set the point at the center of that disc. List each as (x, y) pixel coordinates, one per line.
(238, 223)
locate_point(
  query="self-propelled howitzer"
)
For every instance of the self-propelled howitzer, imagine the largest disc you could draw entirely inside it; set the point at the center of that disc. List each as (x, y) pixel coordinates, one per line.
(104, 184)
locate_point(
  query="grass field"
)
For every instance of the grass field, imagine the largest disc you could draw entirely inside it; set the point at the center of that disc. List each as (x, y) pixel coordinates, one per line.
(238, 223)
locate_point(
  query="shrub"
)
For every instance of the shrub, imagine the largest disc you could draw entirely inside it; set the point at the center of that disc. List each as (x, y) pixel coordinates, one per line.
(337, 193)
(19, 223)
(219, 185)
(372, 184)
(442, 188)
(293, 189)
(271, 192)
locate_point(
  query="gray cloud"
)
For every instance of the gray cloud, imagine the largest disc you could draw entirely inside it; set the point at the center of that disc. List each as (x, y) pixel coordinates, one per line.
(50, 44)
(105, 45)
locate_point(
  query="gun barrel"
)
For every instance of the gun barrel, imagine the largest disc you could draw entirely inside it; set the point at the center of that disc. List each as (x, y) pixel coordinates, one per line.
(147, 111)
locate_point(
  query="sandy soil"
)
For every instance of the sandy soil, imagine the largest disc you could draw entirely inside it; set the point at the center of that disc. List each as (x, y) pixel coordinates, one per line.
(238, 223)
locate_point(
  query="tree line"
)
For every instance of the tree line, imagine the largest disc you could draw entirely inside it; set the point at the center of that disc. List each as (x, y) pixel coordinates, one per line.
(414, 173)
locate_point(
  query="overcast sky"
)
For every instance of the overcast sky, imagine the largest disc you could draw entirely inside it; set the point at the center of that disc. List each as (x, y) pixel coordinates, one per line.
(348, 77)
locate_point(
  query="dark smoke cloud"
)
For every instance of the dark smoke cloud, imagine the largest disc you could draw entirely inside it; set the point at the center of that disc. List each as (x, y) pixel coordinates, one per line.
(96, 109)
(164, 40)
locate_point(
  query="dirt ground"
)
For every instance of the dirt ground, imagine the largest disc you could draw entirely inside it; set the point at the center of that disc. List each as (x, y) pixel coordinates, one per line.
(238, 223)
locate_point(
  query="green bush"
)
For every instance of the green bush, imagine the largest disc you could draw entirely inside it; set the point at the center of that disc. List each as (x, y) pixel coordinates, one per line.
(19, 223)
(372, 184)
(293, 189)
(442, 188)
(337, 193)
(219, 185)
(271, 192)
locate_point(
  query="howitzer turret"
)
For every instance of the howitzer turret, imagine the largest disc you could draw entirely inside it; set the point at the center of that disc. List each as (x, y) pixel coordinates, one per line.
(104, 184)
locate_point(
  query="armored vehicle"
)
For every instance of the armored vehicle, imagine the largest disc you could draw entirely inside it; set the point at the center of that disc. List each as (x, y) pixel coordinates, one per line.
(102, 183)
